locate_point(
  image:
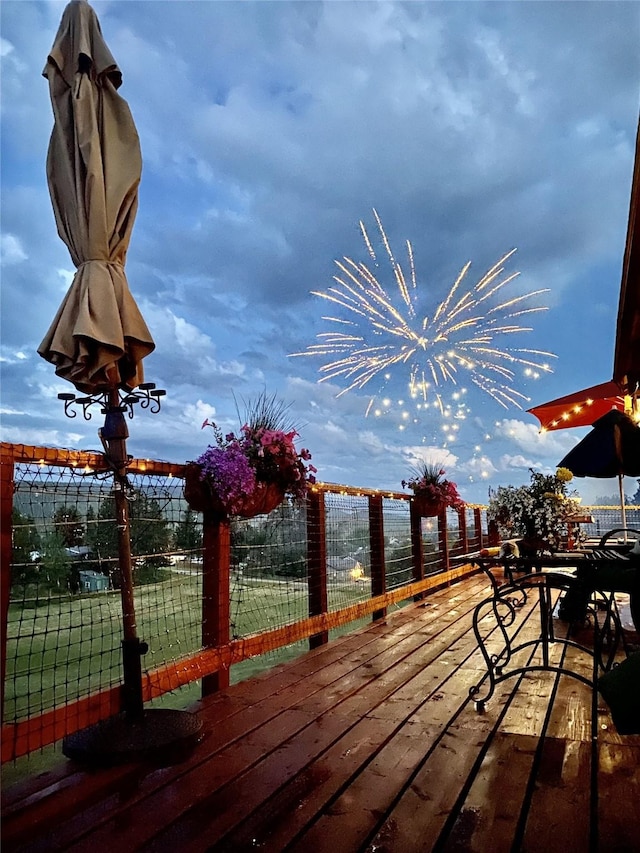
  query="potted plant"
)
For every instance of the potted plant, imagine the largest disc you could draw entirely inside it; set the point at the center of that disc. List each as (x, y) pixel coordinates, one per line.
(250, 473)
(536, 514)
(432, 492)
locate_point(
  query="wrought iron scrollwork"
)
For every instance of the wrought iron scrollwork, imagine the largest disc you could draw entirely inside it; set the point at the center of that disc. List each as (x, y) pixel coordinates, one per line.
(146, 394)
(496, 615)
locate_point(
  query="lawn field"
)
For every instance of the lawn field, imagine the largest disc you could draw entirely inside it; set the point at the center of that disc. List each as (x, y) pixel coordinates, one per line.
(63, 648)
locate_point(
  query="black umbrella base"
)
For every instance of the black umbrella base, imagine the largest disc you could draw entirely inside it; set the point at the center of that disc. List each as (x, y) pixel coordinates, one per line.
(162, 736)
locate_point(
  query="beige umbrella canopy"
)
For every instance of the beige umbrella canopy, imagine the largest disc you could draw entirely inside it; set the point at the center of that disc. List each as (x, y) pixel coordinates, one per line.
(98, 337)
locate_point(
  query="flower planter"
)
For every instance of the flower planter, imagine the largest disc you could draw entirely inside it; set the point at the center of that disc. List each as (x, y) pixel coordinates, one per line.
(427, 507)
(201, 497)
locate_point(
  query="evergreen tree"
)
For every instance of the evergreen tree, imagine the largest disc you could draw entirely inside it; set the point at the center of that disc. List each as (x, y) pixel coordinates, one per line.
(25, 544)
(150, 537)
(56, 563)
(150, 531)
(68, 522)
(188, 535)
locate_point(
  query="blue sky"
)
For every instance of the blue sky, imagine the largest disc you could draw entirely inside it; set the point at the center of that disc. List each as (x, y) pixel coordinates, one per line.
(269, 130)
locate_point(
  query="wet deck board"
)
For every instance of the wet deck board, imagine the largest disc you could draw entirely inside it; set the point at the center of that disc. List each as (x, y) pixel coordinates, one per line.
(369, 743)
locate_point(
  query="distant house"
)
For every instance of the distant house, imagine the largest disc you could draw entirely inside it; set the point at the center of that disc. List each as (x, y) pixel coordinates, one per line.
(91, 581)
(344, 568)
(79, 552)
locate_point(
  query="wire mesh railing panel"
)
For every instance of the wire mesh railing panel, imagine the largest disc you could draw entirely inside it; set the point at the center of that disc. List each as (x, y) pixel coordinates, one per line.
(473, 532)
(431, 545)
(348, 546)
(455, 542)
(397, 543)
(65, 623)
(607, 518)
(269, 586)
(166, 552)
(63, 637)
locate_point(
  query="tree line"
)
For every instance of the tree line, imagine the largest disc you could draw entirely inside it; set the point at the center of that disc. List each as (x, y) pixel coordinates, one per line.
(53, 559)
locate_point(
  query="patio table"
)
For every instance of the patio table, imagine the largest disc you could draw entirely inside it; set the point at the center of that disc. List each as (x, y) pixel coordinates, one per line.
(598, 569)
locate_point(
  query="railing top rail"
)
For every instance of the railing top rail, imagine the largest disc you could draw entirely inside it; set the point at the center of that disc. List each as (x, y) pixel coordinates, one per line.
(91, 460)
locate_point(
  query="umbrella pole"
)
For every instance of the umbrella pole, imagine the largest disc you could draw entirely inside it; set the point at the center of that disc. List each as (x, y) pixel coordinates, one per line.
(623, 510)
(132, 648)
(159, 732)
(114, 436)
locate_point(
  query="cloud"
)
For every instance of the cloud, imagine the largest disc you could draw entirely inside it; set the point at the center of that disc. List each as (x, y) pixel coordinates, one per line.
(268, 130)
(527, 437)
(11, 251)
(431, 455)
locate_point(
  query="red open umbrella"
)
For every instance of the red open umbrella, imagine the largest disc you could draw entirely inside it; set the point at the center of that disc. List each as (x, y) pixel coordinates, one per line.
(582, 408)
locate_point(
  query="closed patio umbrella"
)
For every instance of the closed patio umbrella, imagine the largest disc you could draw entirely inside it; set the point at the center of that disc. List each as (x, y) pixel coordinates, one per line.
(98, 337)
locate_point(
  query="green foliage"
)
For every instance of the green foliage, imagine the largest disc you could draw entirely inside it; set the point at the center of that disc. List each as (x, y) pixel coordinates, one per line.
(56, 563)
(150, 537)
(188, 533)
(25, 542)
(68, 523)
(536, 513)
(292, 562)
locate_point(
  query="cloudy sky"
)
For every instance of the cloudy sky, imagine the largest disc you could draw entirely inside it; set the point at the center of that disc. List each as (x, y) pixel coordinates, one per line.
(269, 130)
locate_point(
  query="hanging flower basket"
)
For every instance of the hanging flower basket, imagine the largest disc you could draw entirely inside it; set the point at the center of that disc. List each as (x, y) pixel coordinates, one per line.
(426, 506)
(431, 492)
(201, 497)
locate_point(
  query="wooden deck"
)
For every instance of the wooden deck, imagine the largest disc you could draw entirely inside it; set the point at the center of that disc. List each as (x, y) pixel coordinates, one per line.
(366, 744)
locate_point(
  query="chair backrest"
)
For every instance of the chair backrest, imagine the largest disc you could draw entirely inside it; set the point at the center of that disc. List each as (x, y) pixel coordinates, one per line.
(630, 534)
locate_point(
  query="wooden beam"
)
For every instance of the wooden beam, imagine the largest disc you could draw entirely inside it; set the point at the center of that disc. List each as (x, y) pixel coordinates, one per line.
(376, 544)
(216, 570)
(317, 562)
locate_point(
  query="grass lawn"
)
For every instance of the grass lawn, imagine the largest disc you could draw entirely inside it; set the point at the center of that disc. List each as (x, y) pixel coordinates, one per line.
(66, 647)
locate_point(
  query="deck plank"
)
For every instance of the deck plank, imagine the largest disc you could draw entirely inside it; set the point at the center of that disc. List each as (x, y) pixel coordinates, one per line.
(370, 742)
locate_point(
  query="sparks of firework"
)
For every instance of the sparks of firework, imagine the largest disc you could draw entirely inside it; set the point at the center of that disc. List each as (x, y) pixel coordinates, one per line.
(379, 331)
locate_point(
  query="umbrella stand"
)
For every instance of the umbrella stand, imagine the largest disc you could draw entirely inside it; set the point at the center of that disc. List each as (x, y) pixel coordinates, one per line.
(136, 732)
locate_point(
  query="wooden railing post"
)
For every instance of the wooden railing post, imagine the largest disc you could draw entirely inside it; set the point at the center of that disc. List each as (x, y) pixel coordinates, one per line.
(216, 572)
(477, 524)
(317, 562)
(417, 549)
(376, 545)
(443, 539)
(493, 534)
(462, 525)
(6, 547)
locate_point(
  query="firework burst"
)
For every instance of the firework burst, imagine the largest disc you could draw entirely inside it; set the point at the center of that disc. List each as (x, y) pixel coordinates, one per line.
(380, 332)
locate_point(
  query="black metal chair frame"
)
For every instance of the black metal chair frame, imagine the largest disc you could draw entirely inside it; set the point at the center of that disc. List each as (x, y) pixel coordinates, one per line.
(504, 604)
